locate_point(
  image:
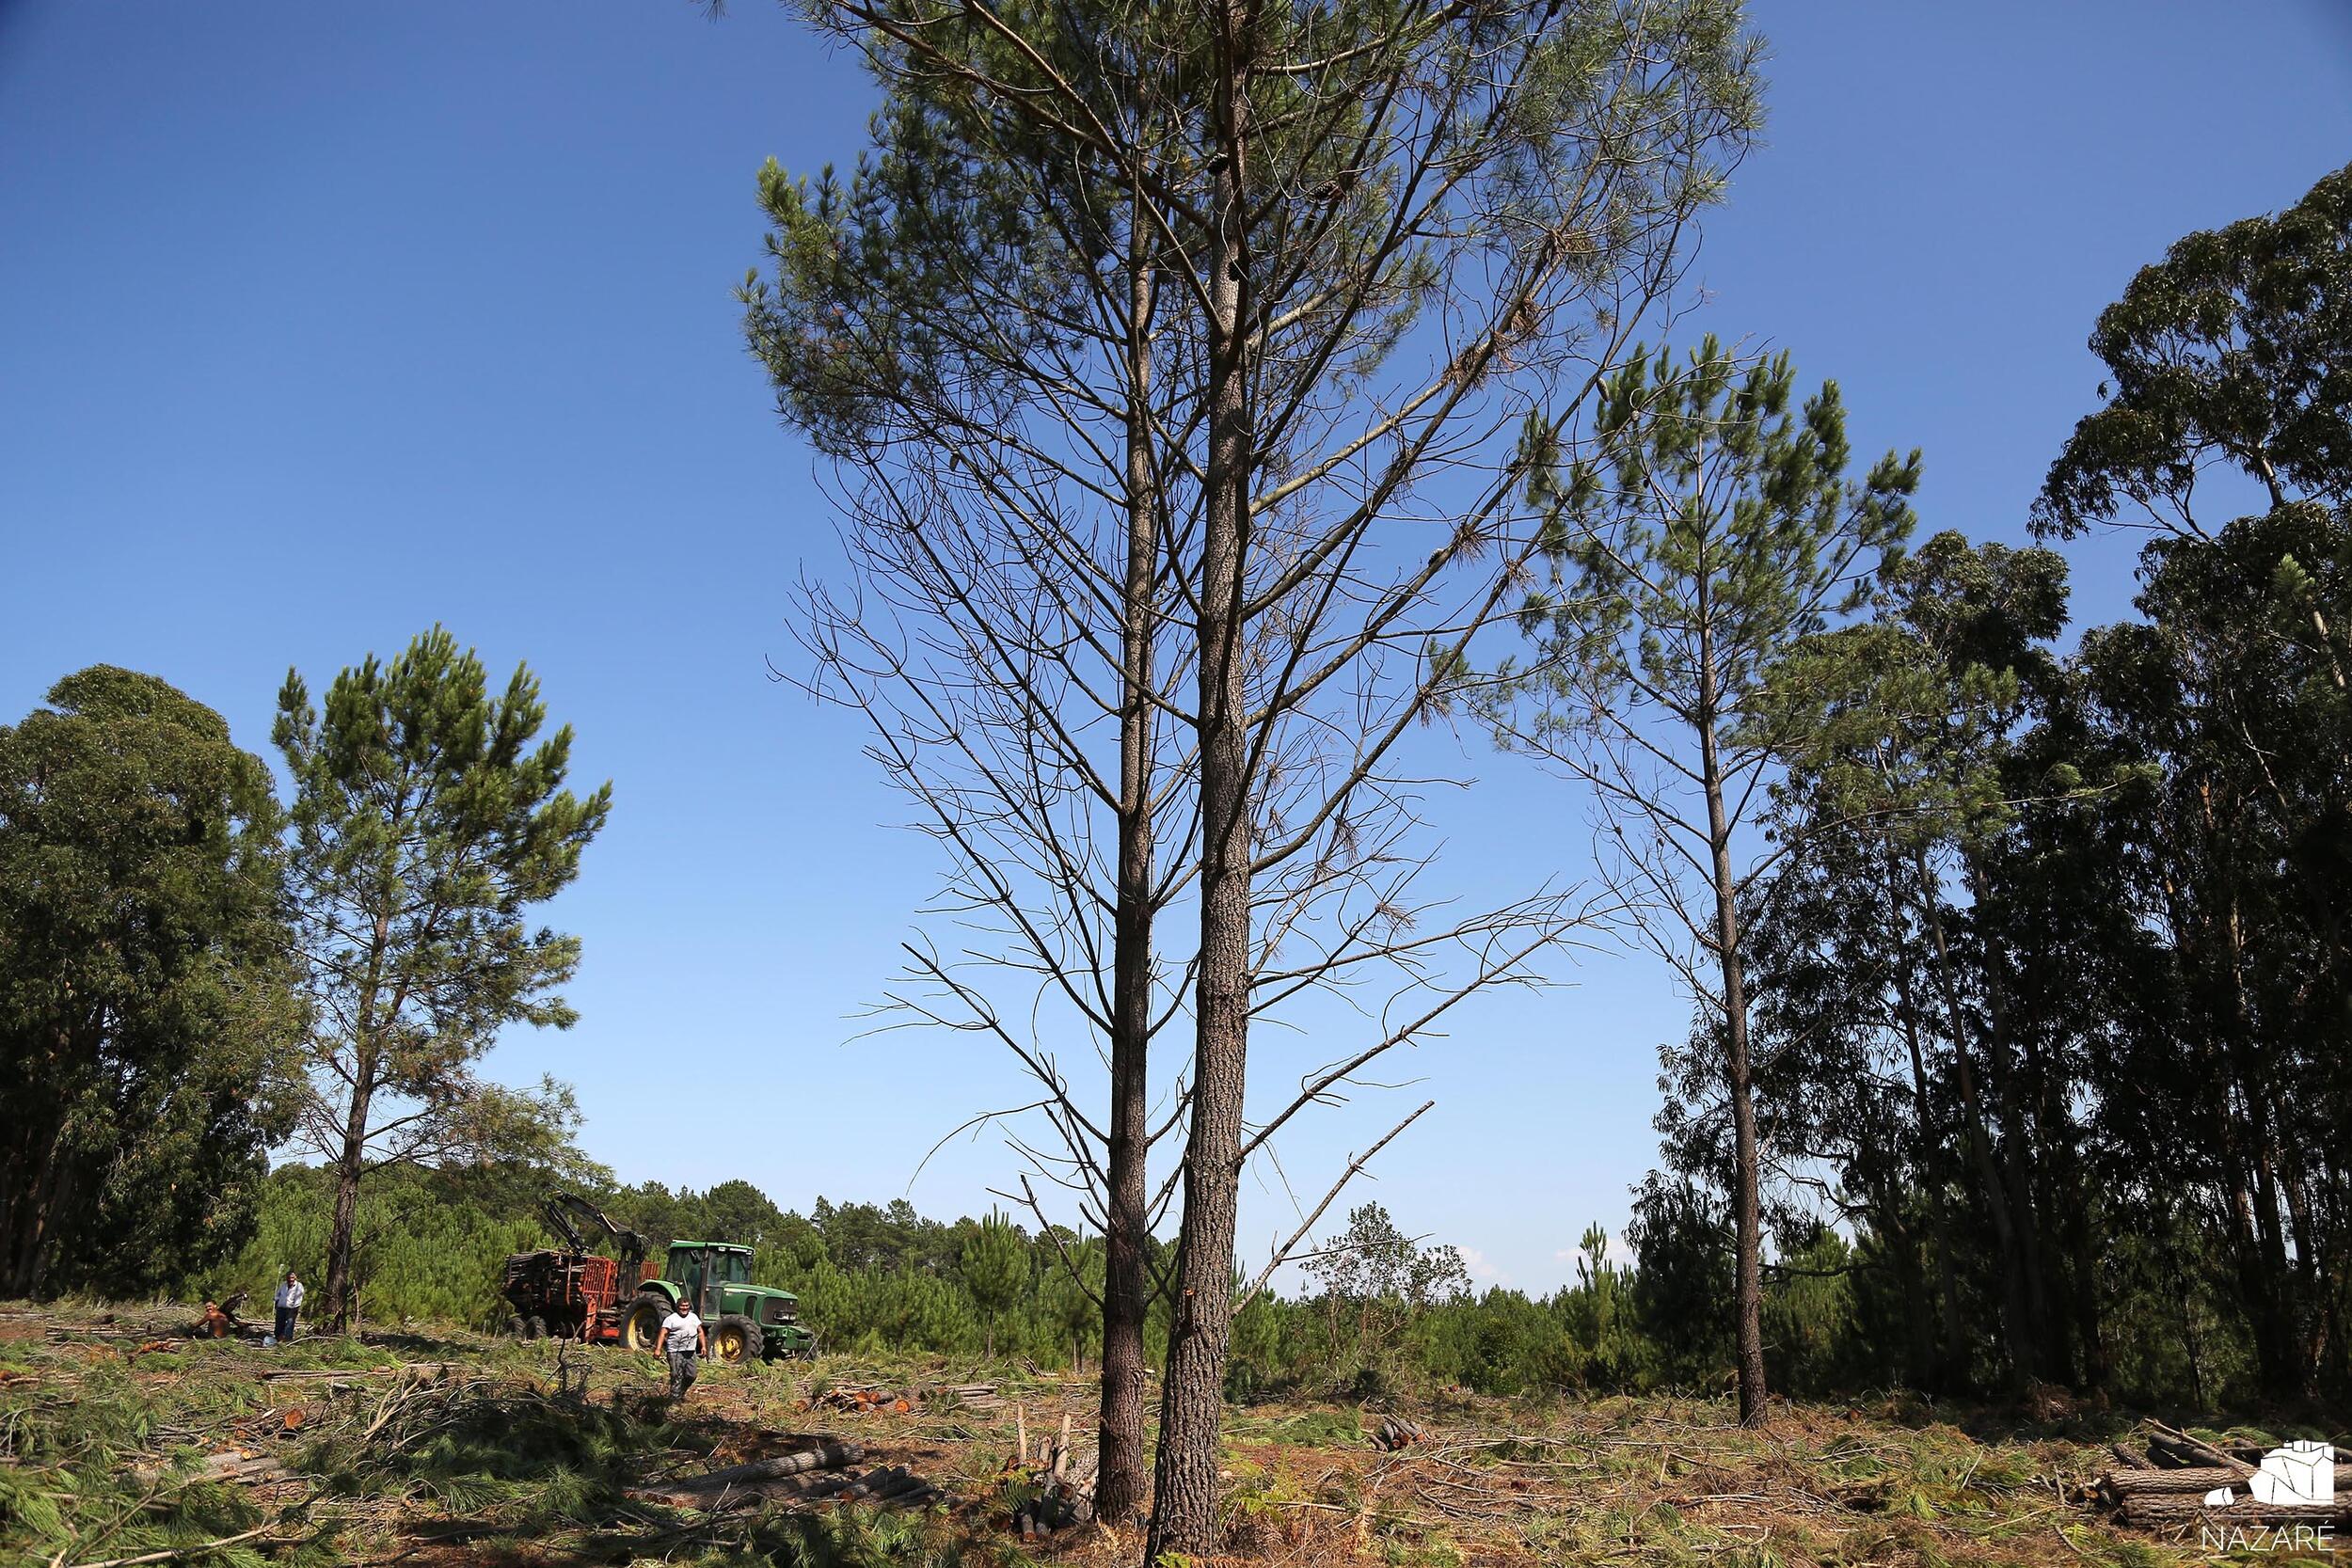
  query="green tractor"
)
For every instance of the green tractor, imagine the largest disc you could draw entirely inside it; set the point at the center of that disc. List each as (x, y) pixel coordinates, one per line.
(746, 1321)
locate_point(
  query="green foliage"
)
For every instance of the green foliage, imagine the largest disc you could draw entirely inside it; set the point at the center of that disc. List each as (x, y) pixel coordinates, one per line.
(425, 824)
(995, 1269)
(1373, 1282)
(431, 1244)
(71, 1487)
(428, 1246)
(2052, 991)
(146, 1018)
(2225, 355)
(1717, 526)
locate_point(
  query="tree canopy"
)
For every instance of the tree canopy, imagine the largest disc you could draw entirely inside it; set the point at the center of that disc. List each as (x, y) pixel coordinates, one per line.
(146, 1020)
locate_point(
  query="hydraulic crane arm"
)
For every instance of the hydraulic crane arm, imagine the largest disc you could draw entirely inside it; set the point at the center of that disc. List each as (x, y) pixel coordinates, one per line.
(561, 1207)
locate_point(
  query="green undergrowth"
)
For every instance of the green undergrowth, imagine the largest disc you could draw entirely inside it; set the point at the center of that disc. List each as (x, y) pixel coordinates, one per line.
(432, 1444)
(447, 1447)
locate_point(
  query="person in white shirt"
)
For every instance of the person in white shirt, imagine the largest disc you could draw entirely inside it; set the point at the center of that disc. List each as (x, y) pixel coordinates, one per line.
(289, 1303)
(682, 1340)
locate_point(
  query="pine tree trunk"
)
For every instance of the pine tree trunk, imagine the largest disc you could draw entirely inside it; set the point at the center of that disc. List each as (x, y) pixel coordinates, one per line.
(1748, 1253)
(335, 1307)
(1118, 1486)
(1748, 1249)
(1184, 1511)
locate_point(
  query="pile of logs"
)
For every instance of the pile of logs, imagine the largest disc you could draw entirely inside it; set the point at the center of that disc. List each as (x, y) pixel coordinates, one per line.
(970, 1396)
(1396, 1432)
(821, 1474)
(2168, 1487)
(862, 1399)
(1052, 1489)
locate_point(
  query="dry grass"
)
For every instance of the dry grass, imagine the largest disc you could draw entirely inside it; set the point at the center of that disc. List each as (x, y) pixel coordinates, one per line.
(443, 1447)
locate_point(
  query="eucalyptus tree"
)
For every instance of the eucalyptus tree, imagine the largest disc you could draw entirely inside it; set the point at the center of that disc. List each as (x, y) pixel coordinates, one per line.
(2233, 858)
(1903, 739)
(1714, 525)
(149, 1030)
(1397, 246)
(2225, 430)
(2225, 361)
(425, 824)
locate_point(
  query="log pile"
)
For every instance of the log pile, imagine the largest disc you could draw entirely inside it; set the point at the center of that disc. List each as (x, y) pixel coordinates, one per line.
(1396, 1432)
(980, 1397)
(823, 1473)
(862, 1399)
(2168, 1489)
(1052, 1489)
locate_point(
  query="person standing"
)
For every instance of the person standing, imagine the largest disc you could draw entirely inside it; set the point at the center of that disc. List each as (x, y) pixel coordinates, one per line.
(289, 1303)
(683, 1339)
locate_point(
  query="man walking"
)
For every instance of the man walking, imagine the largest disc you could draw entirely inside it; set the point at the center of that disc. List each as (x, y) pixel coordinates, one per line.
(289, 1303)
(683, 1339)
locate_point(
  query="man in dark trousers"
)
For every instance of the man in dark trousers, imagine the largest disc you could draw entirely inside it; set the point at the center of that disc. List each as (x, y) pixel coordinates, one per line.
(289, 1303)
(683, 1339)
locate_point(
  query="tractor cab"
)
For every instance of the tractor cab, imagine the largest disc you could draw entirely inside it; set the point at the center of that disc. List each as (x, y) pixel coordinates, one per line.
(704, 1269)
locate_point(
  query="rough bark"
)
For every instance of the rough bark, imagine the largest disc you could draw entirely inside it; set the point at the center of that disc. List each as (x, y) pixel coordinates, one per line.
(1119, 1493)
(336, 1296)
(1184, 1508)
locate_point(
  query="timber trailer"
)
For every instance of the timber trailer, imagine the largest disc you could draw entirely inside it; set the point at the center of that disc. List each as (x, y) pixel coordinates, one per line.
(574, 1293)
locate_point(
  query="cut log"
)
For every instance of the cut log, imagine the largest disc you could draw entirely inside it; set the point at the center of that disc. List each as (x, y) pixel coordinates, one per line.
(242, 1467)
(2145, 1482)
(825, 1456)
(2163, 1509)
(2175, 1449)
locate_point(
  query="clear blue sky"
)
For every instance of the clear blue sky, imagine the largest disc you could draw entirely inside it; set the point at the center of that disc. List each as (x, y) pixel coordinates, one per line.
(320, 323)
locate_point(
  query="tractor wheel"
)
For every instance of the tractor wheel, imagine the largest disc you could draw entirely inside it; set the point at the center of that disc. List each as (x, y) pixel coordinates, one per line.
(534, 1327)
(737, 1340)
(515, 1326)
(642, 1328)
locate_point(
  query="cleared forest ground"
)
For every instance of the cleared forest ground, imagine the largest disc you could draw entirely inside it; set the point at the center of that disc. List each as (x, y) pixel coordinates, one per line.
(123, 1443)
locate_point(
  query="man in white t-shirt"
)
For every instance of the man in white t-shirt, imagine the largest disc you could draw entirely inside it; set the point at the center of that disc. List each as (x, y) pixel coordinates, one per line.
(288, 1304)
(682, 1340)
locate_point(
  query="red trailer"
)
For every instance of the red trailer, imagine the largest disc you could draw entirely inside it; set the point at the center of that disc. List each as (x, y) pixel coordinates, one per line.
(574, 1293)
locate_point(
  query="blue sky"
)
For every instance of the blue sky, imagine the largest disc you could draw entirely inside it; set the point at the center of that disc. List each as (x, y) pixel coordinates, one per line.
(319, 325)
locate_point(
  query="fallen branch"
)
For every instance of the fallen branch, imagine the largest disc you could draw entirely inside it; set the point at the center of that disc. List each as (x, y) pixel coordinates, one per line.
(169, 1552)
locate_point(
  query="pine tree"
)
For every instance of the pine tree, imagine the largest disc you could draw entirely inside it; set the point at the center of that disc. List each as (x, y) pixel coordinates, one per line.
(426, 823)
(995, 1268)
(1715, 527)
